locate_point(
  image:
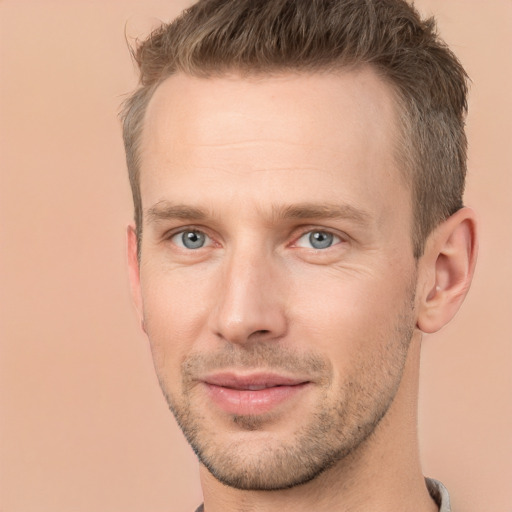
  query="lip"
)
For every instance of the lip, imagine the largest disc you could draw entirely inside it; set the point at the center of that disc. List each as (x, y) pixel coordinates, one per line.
(252, 394)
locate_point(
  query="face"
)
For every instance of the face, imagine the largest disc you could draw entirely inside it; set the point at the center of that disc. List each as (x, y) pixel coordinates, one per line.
(277, 278)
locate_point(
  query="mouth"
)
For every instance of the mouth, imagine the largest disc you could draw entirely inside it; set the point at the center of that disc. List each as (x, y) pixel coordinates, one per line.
(252, 394)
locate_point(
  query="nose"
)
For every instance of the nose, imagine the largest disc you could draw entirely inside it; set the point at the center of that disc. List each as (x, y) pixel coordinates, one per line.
(250, 304)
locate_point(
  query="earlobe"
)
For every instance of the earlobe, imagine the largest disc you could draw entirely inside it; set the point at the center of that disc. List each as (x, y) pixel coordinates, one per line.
(134, 271)
(447, 267)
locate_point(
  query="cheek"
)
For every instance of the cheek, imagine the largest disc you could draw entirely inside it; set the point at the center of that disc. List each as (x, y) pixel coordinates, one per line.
(175, 309)
(350, 315)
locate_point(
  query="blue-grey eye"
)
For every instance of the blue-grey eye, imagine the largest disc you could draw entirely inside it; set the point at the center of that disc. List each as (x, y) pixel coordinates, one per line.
(190, 239)
(317, 240)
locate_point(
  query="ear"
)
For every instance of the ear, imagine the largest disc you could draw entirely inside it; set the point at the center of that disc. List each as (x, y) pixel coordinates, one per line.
(134, 271)
(447, 268)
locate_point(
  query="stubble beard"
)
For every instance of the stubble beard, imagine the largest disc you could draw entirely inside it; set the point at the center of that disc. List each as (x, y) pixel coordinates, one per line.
(331, 433)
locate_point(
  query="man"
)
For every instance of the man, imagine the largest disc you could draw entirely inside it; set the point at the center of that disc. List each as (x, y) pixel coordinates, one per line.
(297, 168)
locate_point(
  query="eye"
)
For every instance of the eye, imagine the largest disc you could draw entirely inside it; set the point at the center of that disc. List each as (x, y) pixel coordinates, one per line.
(191, 239)
(318, 240)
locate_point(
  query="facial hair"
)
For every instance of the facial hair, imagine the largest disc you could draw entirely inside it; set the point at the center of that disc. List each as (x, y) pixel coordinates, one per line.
(334, 429)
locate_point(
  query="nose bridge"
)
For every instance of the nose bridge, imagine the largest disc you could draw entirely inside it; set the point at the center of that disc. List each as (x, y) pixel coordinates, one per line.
(249, 304)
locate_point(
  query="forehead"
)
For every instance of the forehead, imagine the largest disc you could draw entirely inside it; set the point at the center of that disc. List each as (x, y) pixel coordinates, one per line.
(323, 102)
(284, 131)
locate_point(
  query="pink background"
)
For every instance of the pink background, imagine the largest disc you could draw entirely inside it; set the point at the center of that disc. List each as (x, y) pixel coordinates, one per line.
(83, 424)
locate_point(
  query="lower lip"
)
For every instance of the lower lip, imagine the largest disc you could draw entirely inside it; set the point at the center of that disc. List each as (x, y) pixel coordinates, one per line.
(251, 402)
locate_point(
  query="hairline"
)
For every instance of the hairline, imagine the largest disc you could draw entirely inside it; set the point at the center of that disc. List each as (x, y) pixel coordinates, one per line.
(406, 163)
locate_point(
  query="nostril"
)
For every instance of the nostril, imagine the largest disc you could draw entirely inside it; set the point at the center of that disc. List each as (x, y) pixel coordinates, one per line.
(261, 332)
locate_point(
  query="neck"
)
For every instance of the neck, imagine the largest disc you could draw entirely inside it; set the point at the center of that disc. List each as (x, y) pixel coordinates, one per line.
(383, 474)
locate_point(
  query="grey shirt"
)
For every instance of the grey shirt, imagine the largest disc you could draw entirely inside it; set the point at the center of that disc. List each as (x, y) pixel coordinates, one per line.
(439, 494)
(436, 489)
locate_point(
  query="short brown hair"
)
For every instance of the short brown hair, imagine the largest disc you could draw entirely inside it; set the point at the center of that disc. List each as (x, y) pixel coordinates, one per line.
(273, 36)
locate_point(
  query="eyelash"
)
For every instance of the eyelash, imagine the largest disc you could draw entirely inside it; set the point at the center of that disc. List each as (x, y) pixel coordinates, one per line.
(335, 238)
(310, 230)
(182, 231)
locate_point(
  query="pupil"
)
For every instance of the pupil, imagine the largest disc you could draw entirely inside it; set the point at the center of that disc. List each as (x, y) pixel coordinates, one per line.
(320, 239)
(193, 239)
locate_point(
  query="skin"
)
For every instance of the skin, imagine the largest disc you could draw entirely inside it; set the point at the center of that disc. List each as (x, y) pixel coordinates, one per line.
(255, 166)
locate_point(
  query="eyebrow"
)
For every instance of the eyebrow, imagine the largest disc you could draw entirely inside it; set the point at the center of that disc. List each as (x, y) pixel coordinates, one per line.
(323, 211)
(165, 210)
